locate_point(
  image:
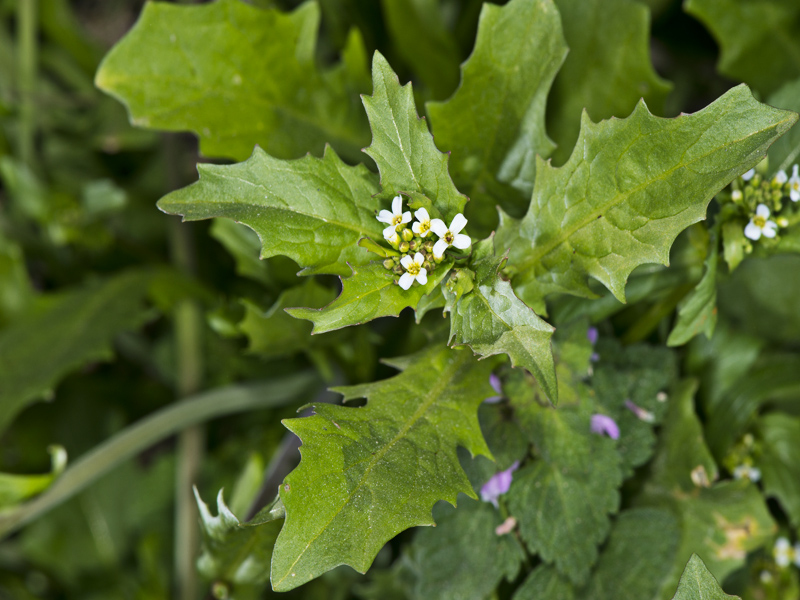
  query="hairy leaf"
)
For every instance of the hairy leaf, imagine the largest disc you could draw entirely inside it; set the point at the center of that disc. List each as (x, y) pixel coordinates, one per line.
(369, 473)
(697, 583)
(494, 123)
(462, 558)
(492, 320)
(563, 499)
(627, 191)
(758, 39)
(545, 582)
(63, 333)
(780, 461)
(313, 210)
(402, 146)
(370, 292)
(238, 76)
(607, 70)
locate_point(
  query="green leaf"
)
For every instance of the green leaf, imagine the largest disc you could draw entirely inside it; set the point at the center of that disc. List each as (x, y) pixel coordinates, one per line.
(575, 480)
(545, 582)
(423, 42)
(313, 210)
(274, 333)
(16, 291)
(370, 292)
(697, 583)
(243, 244)
(627, 191)
(607, 70)
(758, 40)
(235, 553)
(697, 313)
(780, 461)
(462, 558)
(786, 151)
(368, 473)
(64, 332)
(640, 551)
(492, 320)
(402, 146)
(733, 242)
(238, 76)
(16, 488)
(494, 123)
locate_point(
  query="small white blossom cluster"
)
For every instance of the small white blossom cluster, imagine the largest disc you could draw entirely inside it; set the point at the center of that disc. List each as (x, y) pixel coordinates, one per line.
(786, 554)
(419, 256)
(761, 197)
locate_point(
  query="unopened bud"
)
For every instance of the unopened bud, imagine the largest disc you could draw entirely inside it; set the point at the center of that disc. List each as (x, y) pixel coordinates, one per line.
(407, 234)
(782, 222)
(736, 195)
(428, 246)
(388, 264)
(403, 247)
(428, 265)
(413, 244)
(398, 270)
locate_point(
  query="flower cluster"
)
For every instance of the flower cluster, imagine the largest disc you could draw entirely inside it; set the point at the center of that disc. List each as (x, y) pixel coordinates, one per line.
(418, 255)
(759, 198)
(785, 554)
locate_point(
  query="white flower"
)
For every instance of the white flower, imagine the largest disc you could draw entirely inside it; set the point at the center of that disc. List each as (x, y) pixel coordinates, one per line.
(747, 472)
(759, 225)
(736, 195)
(395, 218)
(423, 225)
(794, 185)
(414, 270)
(783, 552)
(780, 177)
(749, 175)
(450, 237)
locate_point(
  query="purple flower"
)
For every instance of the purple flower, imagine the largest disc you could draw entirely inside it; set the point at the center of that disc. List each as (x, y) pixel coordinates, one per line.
(498, 484)
(497, 386)
(603, 424)
(641, 413)
(591, 335)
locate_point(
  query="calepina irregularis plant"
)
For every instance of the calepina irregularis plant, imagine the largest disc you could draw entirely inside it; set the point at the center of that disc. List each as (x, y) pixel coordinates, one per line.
(476, 232)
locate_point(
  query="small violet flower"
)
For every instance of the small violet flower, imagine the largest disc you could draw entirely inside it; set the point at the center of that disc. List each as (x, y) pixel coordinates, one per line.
(747, 472)
(497, 386)
(794, 185)
(785, 554)
(414, 270)
(450, 236)
(749, 175)
(395, 218)
(603, 424)
(592, 335)
(780, 177)
(498, 484)
(641, 413)
(423, 224)
(759, 225)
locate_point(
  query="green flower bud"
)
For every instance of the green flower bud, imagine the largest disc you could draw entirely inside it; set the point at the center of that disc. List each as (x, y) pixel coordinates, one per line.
(428, 265)
(413, 245)
(399, 270)
(782, 222)
(388, 264)
(403, 247)
(407, 235)
(428, 247)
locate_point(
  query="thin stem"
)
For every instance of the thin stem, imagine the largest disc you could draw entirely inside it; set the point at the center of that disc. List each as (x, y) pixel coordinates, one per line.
(152, 429)
(26, 77)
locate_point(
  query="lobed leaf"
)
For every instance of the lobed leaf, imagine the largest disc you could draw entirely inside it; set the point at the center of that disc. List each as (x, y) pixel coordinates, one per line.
(627, 191)
(492, 320)
(368, 473)
(494, 123)
(402, 146)
(238, 76)
(313, 210)
(697, 583)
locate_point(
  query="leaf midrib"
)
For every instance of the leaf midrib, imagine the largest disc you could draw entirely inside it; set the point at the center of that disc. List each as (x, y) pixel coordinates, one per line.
(433, 394)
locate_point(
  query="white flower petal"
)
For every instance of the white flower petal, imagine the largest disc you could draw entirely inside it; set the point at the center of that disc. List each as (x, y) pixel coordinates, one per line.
(458, 223)
(752, 231)
(397, 205)
(419, 258)
(415, 228)
(795, 173)
(406, 279)
(422, 215)
(794, 194)
(438, 227)
(389, 232)
(762, 210)
(781, 177)
(406, 261)
(385, 216)
(424, 233)
(406, 216)
(770, 229)
(422, 276)
(749, 175)
(462, 241)
(439, 248)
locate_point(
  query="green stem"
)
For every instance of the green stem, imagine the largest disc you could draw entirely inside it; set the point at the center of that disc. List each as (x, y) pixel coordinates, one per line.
(191, 442)
(26, 77)
(152, 429)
